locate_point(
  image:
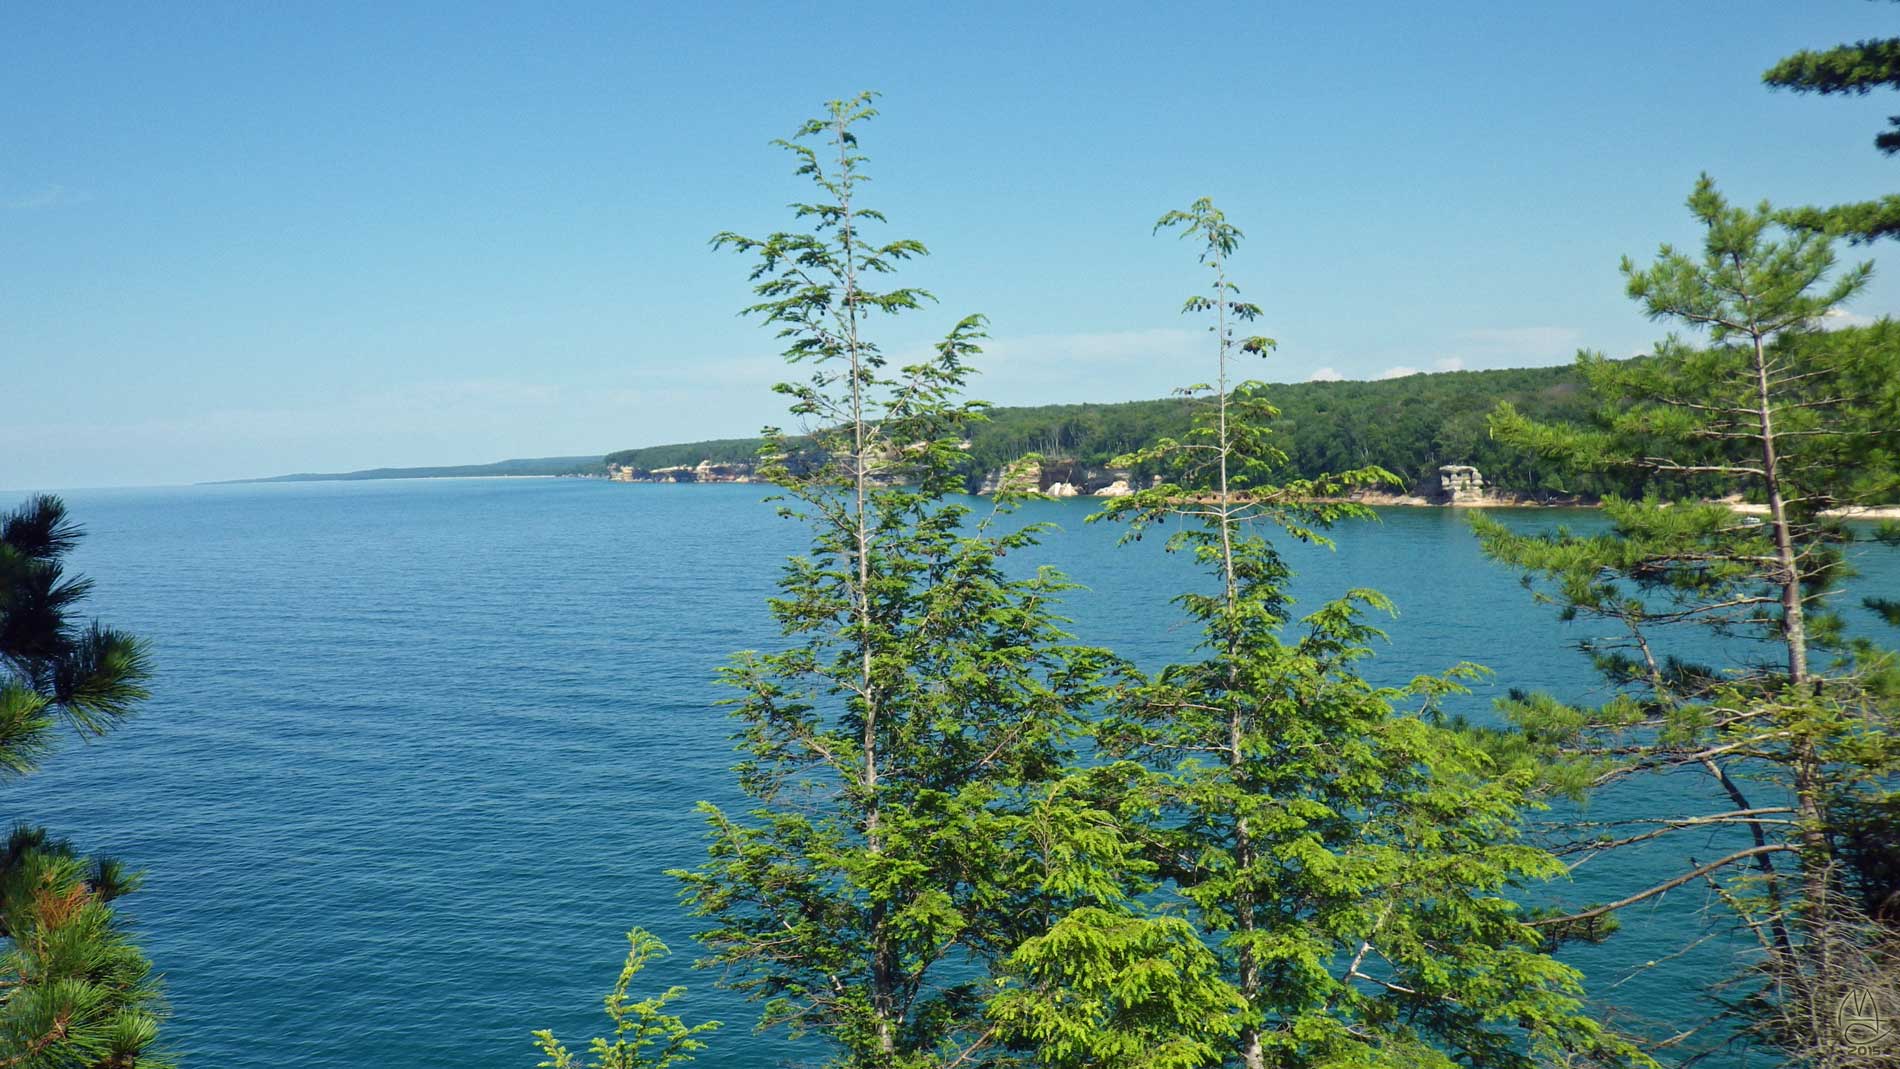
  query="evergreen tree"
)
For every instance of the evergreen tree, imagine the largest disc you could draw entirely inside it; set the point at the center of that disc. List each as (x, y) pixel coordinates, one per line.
(74, 990)
(898, 744)
(1857, 70)
(1798, 737)
(645, 1036)
(1350, 862)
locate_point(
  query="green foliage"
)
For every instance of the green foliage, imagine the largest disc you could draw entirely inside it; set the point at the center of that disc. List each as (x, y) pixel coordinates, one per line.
(1855, 69)
(78, 991)
(1350, 864)
(719, 451)
(1745, 284)
(899, 743)
(1408, 426)
(74, 990)
(1772, 412)
(1860, 222)
(1800, 424)
(645, 1036)
(1110, 989)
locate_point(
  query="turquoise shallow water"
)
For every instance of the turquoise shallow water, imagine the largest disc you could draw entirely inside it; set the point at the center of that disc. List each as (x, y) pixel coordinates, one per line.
(420, 751)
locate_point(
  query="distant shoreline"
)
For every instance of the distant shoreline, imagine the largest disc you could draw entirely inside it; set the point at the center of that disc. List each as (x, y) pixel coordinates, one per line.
(1509, 500)
(369, 479)
(1517, 501)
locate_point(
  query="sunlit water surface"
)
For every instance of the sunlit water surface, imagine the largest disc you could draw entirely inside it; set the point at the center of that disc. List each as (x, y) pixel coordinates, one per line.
(419, 752)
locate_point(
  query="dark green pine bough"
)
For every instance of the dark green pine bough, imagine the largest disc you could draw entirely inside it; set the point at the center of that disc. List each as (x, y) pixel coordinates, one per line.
(75, 992)
(1856, 70)
(1796, 732)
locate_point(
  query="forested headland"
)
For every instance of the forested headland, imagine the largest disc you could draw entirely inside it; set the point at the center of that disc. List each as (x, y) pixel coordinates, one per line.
(527, 466)
(1408, 426)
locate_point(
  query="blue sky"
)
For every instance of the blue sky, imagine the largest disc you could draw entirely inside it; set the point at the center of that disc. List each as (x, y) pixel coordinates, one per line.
(248, 239)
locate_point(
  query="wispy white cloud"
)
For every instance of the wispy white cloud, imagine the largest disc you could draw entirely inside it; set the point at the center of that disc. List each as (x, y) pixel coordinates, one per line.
(1325, 374)
(1449, 363)
(1841, 319)
(1520, 345)
(1399, 372)
(47, 198)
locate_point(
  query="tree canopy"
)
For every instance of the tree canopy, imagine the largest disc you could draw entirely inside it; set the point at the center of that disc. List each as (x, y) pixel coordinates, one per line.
(1851, 69)
(75, 991)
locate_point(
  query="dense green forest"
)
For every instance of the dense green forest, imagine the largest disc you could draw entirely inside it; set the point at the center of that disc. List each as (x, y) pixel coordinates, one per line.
(719, 451)
(1409, 426)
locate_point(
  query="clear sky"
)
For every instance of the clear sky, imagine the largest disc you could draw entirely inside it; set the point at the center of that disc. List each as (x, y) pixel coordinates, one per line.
(247, 239)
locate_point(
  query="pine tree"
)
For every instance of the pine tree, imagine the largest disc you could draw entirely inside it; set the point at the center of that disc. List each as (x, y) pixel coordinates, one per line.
(1856, 70)
(1801, 425)
(897, 744)
(74, 990)
(1351, 863)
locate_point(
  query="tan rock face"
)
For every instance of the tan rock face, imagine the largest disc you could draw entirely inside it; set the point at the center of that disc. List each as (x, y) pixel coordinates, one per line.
(1021, 477)
(1057, 477)
(1460, 482)
(704, 472)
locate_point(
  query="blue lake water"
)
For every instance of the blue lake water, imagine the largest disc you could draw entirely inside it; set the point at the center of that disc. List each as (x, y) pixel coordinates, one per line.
(419, 752)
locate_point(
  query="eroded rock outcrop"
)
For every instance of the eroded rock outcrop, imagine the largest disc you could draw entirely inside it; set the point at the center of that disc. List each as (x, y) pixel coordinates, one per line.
(1058, 477)
(1460, 484)
(706, 471)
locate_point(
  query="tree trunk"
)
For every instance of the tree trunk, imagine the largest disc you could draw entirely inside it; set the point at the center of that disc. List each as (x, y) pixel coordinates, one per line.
(1807, 771)
(883, 971)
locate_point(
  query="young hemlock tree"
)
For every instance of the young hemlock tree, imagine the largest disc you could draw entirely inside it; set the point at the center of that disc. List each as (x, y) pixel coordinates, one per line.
(898, 746)
(1109, 984)
(645, 1036)
(1795, 731)
(1350, 862)
(74, 989)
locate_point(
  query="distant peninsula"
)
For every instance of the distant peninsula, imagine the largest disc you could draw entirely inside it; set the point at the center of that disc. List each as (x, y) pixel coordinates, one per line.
(528, 466)
(1413, 426)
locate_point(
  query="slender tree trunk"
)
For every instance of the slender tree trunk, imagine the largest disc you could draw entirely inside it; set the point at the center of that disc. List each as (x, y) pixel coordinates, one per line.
(1794, 624)
(1807, 772)
(883, 971)
(1252, 1055)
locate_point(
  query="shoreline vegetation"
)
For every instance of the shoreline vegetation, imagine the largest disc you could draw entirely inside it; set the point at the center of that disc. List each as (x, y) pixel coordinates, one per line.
(1373, 499)
(967, 841)
(1412, 426)
(957, 838)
